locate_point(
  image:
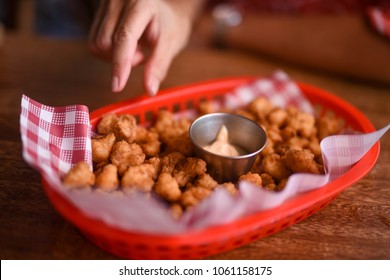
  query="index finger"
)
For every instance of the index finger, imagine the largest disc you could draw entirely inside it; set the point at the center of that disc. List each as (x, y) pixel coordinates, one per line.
(132, 25)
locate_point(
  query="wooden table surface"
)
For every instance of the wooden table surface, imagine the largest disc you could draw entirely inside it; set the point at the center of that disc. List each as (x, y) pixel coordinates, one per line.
(354, 226)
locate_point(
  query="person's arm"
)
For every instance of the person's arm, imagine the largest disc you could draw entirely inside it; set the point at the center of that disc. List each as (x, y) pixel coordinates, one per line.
(124, 31)
(341, 44)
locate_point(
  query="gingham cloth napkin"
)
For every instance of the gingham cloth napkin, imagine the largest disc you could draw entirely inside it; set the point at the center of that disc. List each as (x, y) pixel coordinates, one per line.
(54, 138)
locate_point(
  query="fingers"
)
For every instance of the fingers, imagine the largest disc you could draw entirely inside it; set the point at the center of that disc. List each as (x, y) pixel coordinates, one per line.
(138, 58)
(104, 26)
(135, 19)
(116, 32)
(157, 67)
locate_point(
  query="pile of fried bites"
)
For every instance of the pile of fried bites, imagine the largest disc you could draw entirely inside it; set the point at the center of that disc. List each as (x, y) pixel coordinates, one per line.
(160, 159)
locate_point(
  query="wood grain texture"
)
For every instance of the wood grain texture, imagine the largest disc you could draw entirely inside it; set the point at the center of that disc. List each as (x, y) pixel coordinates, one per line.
(356, 225)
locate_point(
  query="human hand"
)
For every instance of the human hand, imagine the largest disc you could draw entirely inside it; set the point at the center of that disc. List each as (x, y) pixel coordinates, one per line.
(129, 32)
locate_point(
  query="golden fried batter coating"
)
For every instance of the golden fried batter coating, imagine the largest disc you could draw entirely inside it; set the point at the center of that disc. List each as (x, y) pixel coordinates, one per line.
(126, 128)
(79, 176)
(266, 179)
(282, 184)
(101, 147)
(206, 107)
(186, 170)
(301, 161)
(123, 126)
(230, 187)
(167, 187)
(168, 127)
(107, 123)
(303, 123)
(156, 163)
(328, 125)
(205, 181)
(253, 178)
(287, 133)
(124, 155)
(277, 117)
(181, 143)
(139, 177)
(193, 195)
(148, 140)
(297, 143)
(314, 147)
(260, 107)
(273, 134)
(268, 149)
(275, 166)
(176, 210)
(107, 179)
(168, 162)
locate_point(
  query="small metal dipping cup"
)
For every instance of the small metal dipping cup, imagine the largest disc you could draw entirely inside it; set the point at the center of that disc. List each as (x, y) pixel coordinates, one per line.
(242, 132)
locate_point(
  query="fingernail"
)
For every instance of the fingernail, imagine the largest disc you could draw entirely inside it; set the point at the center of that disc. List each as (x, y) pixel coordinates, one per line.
(154, 84)
(115, 84)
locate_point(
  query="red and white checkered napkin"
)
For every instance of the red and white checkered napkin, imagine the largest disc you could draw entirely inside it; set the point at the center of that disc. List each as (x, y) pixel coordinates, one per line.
(55, 138)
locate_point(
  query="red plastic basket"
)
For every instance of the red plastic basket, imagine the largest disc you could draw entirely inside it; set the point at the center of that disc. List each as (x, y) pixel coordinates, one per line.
(206, 242)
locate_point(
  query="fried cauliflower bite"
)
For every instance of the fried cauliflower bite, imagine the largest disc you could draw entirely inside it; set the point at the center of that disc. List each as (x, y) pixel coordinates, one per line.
(205, 181)
(168, 162)
(301, 161)
(253, 178)
(148, 140)
(297, 143)
(268, 149)
(79, 176)
(287, 133)
(180, 143)
(107, 179)
(187, 170)
(107, 123)
(167, 127)
(139, 177)
(101, 147)
(193, 195)
(328, 125)
(126, 128)
(167, 187)
(277, 117)
(124, 155)
(303, 123)
(176, 210)
(315, 148)
(123, 126)
(206, 107)
(266, 179)
(260, 107)
(273, 134)
(282, 184)
(275, 166)
(156, 163)
(230, 187)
